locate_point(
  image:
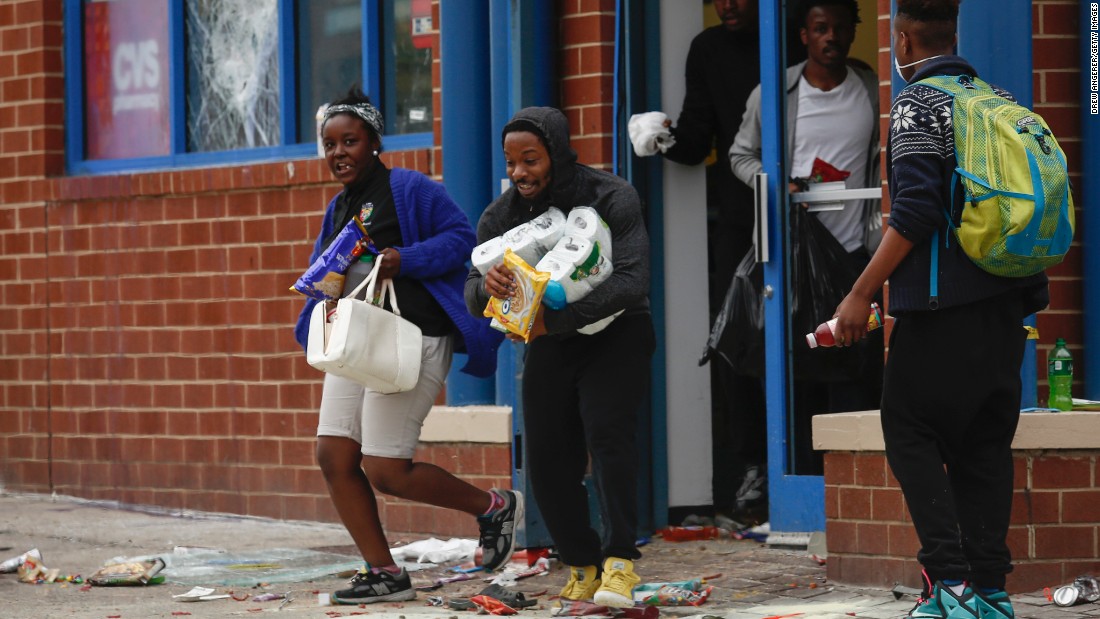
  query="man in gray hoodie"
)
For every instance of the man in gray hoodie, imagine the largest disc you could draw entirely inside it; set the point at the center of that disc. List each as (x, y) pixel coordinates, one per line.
(581, 393)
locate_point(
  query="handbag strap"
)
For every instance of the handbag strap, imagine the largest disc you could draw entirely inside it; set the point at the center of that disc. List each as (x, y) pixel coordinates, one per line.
(387, 286)
(368, 281)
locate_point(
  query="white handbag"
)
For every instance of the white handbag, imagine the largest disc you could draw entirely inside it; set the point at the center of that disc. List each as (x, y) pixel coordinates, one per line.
(364, 342)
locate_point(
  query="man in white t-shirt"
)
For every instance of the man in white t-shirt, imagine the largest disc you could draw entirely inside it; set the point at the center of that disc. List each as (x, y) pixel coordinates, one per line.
(832, 115)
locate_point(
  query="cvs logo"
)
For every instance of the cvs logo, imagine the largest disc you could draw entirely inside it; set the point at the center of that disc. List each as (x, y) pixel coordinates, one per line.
(135, 72)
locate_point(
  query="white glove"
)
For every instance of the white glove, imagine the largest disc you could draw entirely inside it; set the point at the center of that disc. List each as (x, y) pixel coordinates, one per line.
(649, 134)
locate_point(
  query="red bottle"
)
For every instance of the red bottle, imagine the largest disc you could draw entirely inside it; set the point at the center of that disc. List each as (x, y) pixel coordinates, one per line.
(823, 335)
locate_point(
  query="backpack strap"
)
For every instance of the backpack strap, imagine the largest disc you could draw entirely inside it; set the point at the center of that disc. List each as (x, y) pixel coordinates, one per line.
(934, 272)
(934, 267)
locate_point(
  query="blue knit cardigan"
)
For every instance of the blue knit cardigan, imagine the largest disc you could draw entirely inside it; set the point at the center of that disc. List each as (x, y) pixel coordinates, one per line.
(438, 240)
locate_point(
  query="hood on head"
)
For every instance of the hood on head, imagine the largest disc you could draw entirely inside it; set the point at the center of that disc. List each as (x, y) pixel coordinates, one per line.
(553, 127)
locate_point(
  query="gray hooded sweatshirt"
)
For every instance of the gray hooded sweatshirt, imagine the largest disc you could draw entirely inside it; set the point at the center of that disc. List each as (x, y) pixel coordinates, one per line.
(573, 184)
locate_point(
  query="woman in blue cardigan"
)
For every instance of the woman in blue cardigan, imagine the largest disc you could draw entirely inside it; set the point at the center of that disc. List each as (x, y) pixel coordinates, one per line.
(366, 440)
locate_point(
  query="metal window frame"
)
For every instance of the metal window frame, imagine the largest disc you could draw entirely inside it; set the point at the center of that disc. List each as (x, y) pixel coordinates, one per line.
(77, 163)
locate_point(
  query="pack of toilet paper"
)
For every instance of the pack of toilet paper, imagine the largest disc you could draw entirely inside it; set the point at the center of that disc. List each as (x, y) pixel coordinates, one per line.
(586, 223)
(574, 250)
(547, 228)
(529, 241)
(576, 265)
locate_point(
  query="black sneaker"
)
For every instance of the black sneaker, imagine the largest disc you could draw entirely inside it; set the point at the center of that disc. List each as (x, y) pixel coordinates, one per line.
(498, 530)
(368, 587)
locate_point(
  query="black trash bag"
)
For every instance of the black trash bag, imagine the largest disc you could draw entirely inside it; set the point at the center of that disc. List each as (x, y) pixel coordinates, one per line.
(737, 335)
(822, 274)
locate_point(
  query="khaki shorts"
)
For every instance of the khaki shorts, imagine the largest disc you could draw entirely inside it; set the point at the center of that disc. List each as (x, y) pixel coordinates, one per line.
(385, 425)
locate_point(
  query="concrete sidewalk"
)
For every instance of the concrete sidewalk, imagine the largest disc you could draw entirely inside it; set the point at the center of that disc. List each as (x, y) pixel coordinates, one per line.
(77, 537)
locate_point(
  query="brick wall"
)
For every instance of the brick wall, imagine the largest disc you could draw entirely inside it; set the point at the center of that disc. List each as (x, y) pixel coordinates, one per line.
(1056, 97)
(1054, 535)
(586, 61)
(145, 320)
(31, 143)
(145, 324)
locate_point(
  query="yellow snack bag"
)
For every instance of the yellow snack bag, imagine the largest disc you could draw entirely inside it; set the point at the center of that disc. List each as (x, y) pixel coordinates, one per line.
(517, 313)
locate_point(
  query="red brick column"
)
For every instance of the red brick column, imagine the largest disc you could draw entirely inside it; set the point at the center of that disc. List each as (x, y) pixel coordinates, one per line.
(31, 149)
(586, 58)
(1054, 535)
(1057, 98)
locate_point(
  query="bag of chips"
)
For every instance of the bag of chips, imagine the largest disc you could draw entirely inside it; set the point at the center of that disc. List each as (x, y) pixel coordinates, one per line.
(324, 280)
(129, 573)
(517, 314)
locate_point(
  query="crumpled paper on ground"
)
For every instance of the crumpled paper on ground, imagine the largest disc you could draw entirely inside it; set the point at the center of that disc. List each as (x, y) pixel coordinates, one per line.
(434, 550)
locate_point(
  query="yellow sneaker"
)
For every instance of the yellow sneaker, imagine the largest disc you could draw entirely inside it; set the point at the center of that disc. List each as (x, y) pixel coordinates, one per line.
(582, 583)
(618, 584)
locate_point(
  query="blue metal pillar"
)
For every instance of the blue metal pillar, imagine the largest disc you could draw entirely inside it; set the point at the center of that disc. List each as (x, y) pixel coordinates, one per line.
(533, 49)
(1002, 55)
(1088, 192)
(641, 64)
(522, 75)
(500, 103)
(467, 144)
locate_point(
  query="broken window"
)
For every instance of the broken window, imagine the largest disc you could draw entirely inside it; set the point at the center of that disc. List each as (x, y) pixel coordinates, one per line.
(176, 82)
(232, 74)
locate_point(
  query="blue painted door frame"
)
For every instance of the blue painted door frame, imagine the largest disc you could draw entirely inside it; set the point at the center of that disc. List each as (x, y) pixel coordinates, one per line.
(796, 502)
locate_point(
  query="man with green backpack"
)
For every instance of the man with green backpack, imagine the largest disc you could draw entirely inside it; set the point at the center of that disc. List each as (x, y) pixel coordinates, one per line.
(980, 206)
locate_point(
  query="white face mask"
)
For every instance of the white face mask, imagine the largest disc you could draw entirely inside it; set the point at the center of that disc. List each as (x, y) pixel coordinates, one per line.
(899, 67)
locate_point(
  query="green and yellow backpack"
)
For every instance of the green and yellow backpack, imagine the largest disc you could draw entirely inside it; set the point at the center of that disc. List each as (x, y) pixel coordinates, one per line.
(1017, 216)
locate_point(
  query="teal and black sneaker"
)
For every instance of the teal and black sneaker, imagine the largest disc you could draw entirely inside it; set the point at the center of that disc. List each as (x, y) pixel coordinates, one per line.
(938, 601)
(993, 604)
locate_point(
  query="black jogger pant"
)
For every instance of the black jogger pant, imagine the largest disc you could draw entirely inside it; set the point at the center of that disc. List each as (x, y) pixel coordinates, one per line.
(950, 406)
(581, 396)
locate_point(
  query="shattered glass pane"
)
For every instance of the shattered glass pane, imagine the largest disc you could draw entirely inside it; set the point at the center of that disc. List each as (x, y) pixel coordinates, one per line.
(232, 74)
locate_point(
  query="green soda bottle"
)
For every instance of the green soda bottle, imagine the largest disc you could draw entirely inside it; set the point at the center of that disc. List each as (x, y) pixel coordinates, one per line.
(1060, 377)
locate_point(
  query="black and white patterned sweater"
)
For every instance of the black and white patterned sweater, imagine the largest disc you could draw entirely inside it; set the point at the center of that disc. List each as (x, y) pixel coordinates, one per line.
(920, 162)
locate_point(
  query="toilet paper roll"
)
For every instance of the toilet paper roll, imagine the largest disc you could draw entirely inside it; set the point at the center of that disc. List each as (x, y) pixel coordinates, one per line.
(561, 269)
(573, 249)
(523, 243)
(547, 228)
(587, 257)
(595, 272)
(585, 222)
(487, 254)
